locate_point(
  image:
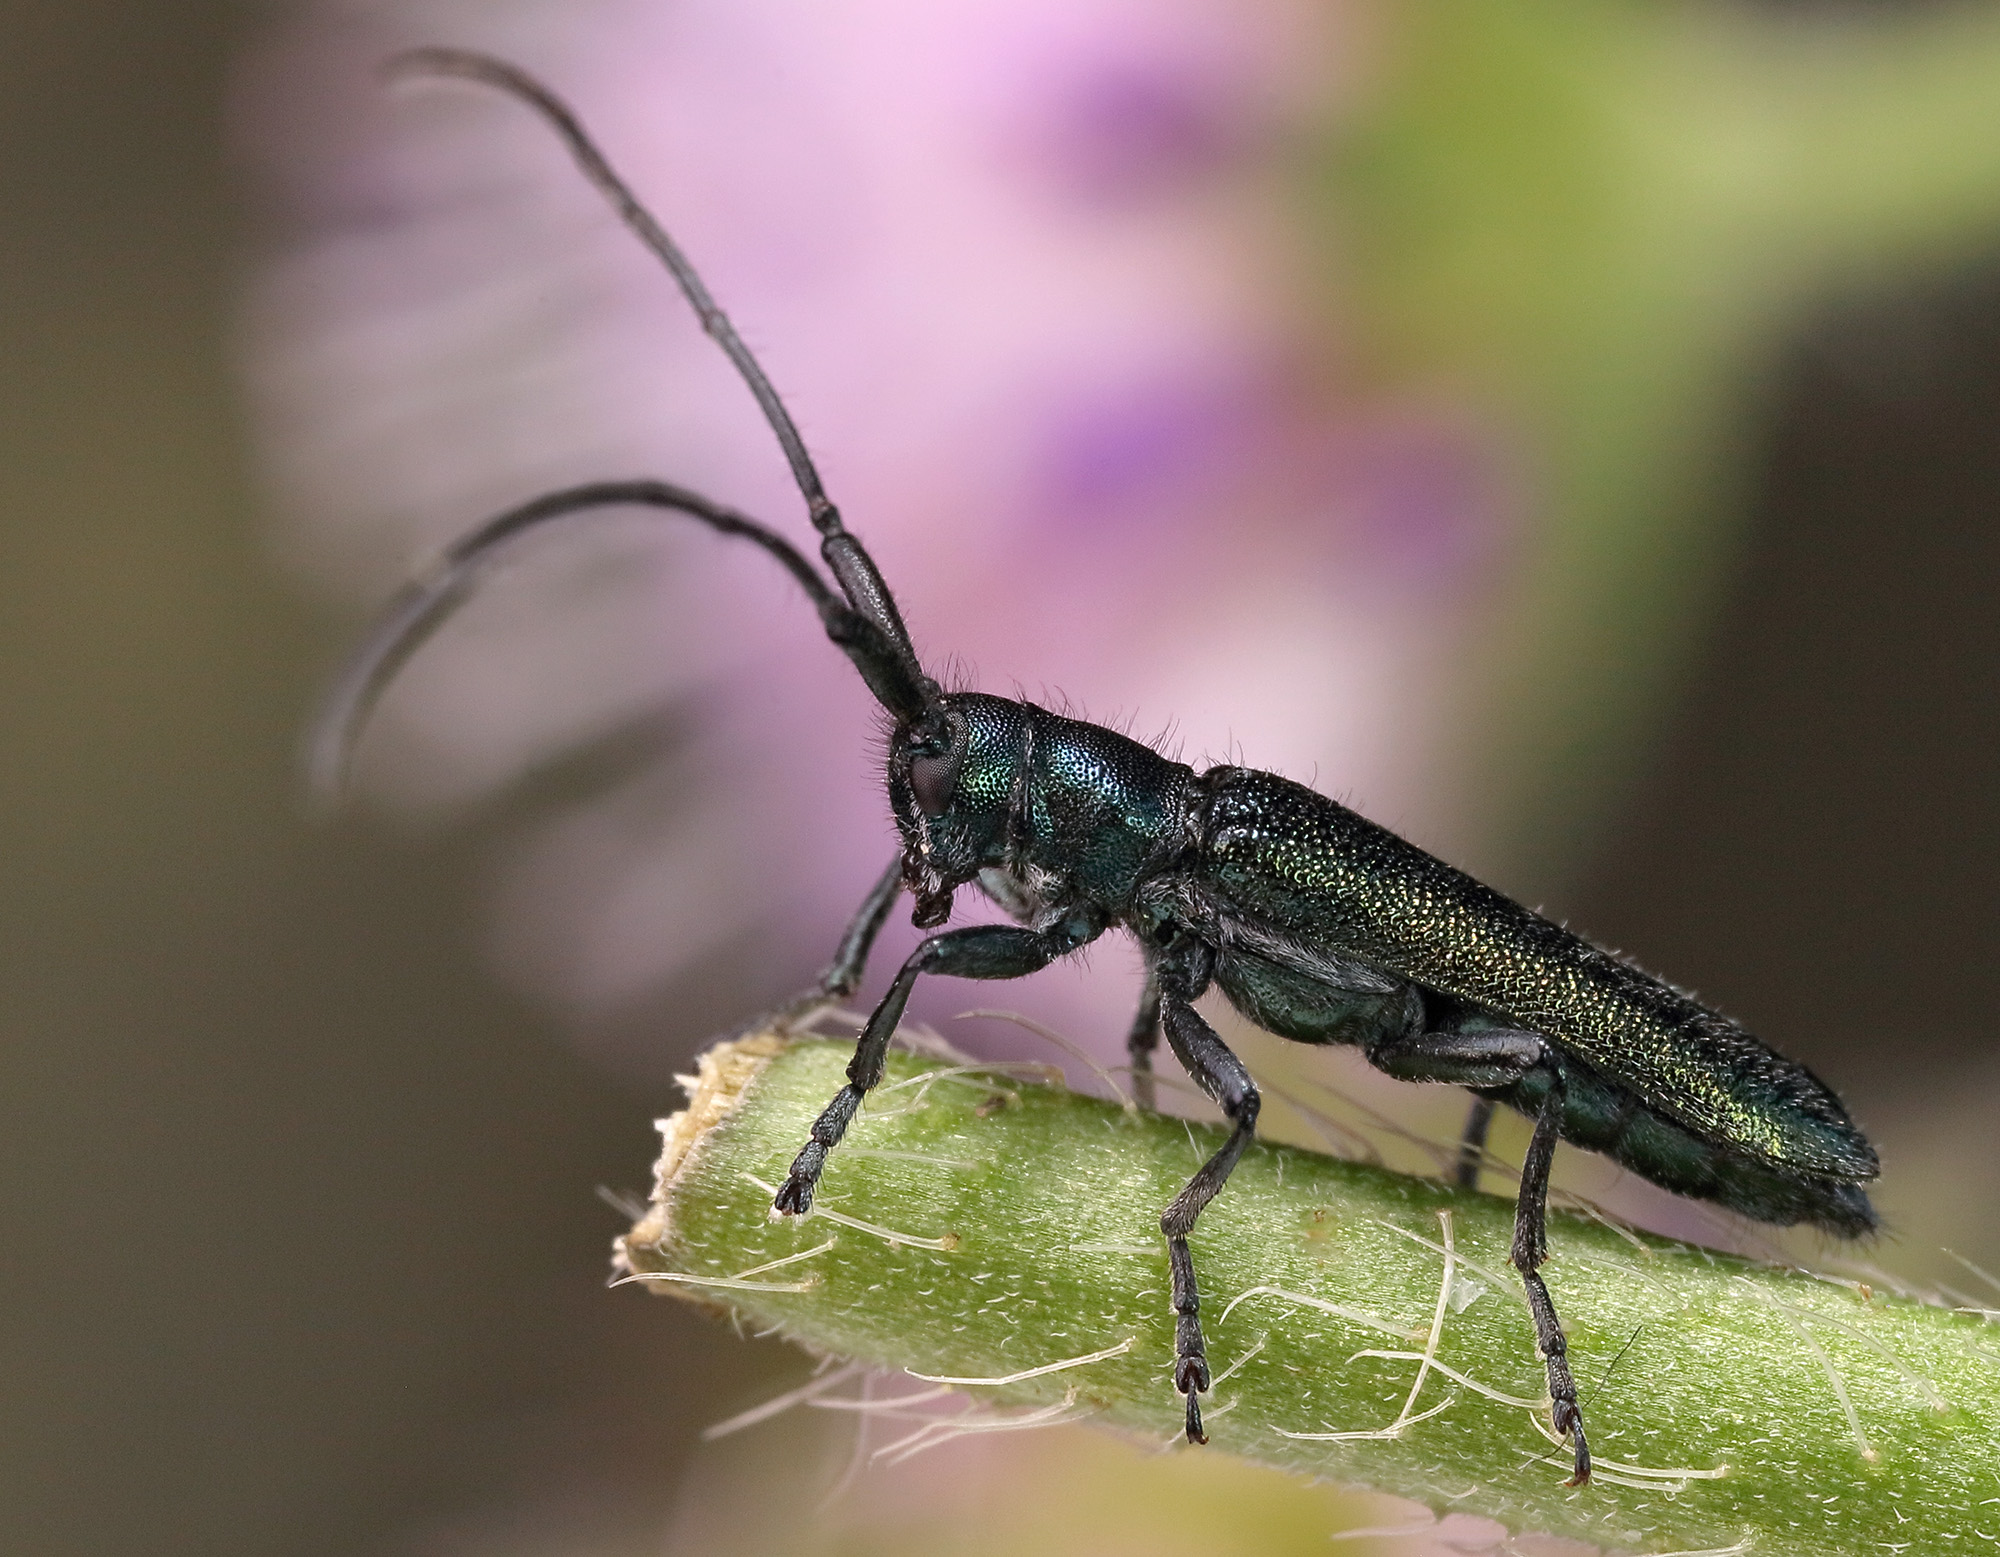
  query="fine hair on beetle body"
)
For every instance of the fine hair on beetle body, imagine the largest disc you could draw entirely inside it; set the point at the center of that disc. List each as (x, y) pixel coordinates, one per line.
(1316, 924)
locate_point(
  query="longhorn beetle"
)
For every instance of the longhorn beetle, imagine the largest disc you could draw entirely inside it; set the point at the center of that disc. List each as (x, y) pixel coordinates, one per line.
(1317, 924)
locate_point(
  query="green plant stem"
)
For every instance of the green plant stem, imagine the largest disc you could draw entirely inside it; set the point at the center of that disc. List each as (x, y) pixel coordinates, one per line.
(1020, 1231)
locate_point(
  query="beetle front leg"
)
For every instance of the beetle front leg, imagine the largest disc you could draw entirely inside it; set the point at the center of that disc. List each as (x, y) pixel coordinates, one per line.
(976, 952)
(1224, 1078)
(1494, 1058)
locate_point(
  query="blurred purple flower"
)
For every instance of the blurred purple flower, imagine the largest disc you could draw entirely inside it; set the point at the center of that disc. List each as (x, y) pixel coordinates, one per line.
(1027, 276)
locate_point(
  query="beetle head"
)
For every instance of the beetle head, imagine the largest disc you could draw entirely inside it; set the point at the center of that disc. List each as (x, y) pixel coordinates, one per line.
(954, 775)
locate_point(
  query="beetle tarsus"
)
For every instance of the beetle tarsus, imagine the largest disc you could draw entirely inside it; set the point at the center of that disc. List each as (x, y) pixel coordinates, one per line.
(1194, 1432)
(1568, 1419)
(794, 1197)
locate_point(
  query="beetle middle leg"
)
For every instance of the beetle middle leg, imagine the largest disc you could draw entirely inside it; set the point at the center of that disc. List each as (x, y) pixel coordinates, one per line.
(1219, 1073)
(1472, 1143)
(1143, 1039)
(1493, 1058)
(976, 952)
(842, 976)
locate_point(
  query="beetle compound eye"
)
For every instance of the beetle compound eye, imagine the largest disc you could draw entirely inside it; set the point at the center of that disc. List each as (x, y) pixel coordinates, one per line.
(934, 766)
(934, 779)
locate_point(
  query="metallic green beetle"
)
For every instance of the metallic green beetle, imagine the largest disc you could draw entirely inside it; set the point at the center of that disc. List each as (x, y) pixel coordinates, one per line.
(1317, 924)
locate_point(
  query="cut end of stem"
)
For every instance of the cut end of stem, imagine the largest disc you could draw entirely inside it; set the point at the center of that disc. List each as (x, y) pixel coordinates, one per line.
(723, 1075)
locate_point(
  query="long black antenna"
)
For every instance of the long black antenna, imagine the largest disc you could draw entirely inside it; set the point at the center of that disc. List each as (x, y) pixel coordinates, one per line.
(866, 625)
(465, 65)
(424, 604)
(859, 578)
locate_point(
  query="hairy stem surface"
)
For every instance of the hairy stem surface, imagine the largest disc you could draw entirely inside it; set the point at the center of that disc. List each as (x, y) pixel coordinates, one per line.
(979, 1224)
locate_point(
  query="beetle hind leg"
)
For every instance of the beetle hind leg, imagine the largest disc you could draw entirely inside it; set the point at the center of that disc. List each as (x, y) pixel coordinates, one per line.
(1496, 1057)
(1530, 1249)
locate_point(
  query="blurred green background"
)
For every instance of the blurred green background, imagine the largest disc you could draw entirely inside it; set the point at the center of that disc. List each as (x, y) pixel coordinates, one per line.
(299, 1251)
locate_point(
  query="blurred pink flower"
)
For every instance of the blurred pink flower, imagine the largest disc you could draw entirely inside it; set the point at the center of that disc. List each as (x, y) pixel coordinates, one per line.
(1029, 277)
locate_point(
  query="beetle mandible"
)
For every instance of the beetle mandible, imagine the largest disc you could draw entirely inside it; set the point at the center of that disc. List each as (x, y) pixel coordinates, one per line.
(1315, 923)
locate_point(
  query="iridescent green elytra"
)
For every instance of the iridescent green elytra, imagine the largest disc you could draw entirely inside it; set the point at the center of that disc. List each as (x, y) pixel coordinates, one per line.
(1314, 922)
